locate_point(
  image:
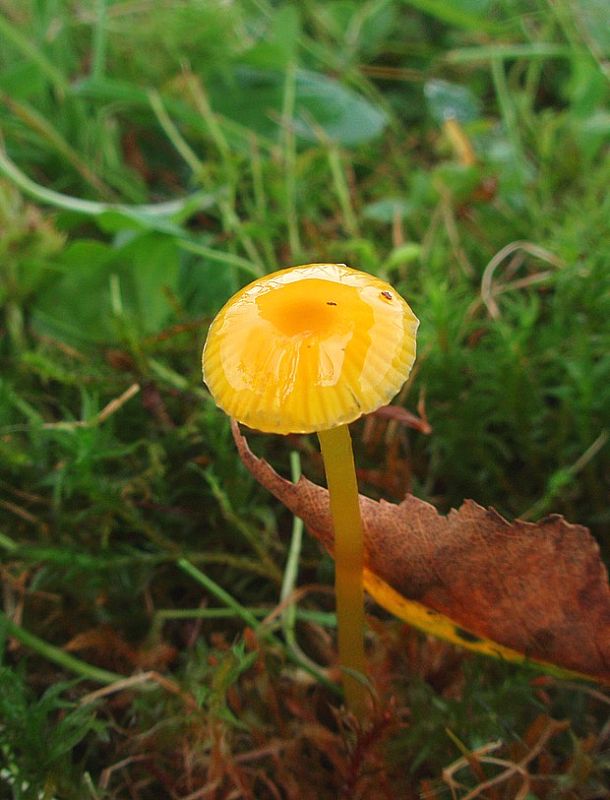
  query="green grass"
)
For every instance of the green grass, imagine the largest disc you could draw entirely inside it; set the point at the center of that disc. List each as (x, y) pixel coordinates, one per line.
(156, 157)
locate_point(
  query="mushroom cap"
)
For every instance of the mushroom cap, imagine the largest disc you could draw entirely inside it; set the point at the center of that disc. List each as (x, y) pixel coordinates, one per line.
(309, 348)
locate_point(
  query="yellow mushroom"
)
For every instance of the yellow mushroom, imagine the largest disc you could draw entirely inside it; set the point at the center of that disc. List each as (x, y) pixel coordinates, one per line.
(310, 349)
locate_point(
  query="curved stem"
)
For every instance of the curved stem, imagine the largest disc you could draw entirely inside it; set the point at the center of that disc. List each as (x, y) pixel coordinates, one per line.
(338, 459)
(10, 170)
(56, 654)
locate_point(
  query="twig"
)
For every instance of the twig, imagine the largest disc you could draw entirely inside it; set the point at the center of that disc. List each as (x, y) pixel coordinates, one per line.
(487, 288)
(512, 767)
(109, 409)
(137, 681)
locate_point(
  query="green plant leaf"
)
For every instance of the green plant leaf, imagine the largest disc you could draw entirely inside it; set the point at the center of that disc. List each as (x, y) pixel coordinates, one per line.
(78, 306)
(386, 209)
(254, 97)
(154, 268)
(255, 100)
(450, 100)
(114, 221)
(204, 286)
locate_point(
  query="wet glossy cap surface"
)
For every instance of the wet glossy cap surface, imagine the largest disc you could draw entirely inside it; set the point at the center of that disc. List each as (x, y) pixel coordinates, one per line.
(309, 348)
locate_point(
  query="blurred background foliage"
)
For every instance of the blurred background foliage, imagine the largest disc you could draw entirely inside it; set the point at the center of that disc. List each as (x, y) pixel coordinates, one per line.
(155, 157)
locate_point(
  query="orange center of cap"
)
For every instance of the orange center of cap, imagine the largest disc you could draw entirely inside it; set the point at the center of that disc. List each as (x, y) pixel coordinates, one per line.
(313, 307)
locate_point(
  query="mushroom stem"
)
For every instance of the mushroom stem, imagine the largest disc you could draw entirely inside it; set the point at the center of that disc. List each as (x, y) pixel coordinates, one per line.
(336, 446)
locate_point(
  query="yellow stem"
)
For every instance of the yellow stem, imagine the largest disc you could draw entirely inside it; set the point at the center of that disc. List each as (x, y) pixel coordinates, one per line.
(338, 459)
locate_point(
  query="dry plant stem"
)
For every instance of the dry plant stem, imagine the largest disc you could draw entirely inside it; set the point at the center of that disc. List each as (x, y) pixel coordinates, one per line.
(349, 560)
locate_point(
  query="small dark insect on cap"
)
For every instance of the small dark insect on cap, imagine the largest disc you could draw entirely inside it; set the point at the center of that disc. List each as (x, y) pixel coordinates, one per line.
(387, 295)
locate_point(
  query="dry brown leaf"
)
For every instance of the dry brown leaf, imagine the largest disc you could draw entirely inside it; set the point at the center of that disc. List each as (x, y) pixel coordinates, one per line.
(539, 590)
(110, 648)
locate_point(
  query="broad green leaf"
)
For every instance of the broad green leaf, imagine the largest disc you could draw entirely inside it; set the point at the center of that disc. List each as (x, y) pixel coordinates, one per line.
(76, 307)
(205, 286)
(255, 98)
(154, 264)
(387, 209)
(405, 254)
(79, 305)
(114, 221)
(450, 100)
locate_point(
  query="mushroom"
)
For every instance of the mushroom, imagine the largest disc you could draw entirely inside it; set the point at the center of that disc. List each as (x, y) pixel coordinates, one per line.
(310, 349)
